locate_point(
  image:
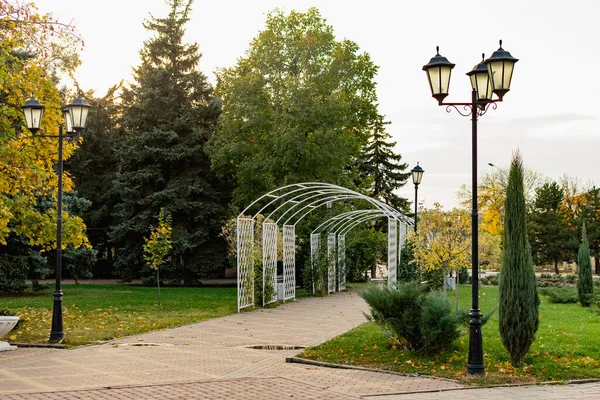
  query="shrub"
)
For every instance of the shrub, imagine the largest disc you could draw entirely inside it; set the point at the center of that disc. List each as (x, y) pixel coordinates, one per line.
(414, 318)
(463, 276)
(560, 295)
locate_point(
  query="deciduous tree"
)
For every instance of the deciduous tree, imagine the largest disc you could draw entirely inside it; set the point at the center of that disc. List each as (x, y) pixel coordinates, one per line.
(297, 107)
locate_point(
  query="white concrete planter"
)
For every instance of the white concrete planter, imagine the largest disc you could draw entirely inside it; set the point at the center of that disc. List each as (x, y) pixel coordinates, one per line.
(6, 325)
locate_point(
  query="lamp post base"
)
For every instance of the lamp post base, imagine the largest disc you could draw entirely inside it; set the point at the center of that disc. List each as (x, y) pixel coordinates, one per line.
(57, 333)
(475, 364)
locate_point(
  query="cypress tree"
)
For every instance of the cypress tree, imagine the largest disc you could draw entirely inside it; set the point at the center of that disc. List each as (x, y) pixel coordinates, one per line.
(518, 307)
(585, 283)
(170, 113)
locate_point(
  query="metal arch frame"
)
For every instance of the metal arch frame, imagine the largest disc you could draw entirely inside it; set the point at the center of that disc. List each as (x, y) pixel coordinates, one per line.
(339, 219)
(300, 194)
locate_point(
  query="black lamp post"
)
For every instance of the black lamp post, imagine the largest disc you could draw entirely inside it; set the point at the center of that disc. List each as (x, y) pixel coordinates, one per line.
(493, 75)
(75, 115)
(417, 175)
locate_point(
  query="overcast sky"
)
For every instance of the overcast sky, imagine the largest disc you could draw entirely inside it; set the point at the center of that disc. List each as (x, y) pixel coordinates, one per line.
(550, 114)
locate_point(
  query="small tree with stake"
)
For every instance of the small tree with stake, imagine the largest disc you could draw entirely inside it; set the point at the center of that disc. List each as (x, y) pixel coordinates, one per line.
(158, 245)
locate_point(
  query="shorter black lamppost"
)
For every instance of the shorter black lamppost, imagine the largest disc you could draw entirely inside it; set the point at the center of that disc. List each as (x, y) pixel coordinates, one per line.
(75, 116)
(417, 175)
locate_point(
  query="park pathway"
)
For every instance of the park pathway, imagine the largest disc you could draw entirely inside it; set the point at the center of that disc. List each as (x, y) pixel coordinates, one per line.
(213, 360)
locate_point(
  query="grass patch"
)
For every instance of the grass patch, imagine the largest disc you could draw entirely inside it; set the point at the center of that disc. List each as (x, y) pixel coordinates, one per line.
(567, 347)
(93, 313)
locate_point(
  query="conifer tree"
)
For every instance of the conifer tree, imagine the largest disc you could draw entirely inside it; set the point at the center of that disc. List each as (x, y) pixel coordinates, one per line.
(170, 113)
(383, 168)
(585, 283)
(518, 307)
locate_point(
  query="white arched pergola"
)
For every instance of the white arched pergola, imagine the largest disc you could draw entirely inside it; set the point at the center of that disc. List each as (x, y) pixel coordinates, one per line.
(286, 207)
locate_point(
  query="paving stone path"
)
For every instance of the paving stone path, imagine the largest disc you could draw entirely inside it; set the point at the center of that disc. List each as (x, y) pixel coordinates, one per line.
(212, 360)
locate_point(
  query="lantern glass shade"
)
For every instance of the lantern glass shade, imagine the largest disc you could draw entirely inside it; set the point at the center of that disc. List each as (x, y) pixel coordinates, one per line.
(500, 68)
(34, 111)
(68, 120)
(78, 112)
(481, 82)
(438, 72)
(417, 174)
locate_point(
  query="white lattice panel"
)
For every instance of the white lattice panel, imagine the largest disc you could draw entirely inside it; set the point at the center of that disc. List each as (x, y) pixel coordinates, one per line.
(331, 262)
(245, 262)
(341, 242)
(289, 262)
(392, 252)
(314, 258)
(269, 249)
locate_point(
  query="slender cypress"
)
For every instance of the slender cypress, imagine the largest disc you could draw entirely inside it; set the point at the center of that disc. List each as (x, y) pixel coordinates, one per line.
(518, 308)
(585, 283)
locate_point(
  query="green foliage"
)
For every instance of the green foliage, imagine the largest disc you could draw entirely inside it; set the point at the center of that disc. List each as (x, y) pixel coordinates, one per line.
(549, 235)
(463, 275)
(518, 297)
(561, 295)
(297, 107)
(315, 277)
(94, 167)
(416, 319)
(408, 270)
(13, 274)
(79, 262)
(169, 114)
(585, 283)
(363, 248)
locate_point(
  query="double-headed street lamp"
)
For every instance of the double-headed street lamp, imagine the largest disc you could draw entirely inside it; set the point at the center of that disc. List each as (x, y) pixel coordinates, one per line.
(417, 175)
(75, 116)
(493, 75)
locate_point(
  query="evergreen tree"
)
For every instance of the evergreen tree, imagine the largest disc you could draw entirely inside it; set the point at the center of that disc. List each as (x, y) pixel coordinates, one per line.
(548, 234)
(585, 282)
(380, 166)
(518, 307)
(94, 167)
(170, 113)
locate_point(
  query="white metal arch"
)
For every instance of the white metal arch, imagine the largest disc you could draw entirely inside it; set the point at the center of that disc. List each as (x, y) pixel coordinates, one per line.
(297, 201)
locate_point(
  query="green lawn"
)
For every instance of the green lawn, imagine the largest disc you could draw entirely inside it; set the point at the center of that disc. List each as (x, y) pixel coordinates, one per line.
(100, 312)
(567, 347)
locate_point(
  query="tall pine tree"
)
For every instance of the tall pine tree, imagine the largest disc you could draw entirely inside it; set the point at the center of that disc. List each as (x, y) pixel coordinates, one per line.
(518, 303)
(170, 114)
(382, 168)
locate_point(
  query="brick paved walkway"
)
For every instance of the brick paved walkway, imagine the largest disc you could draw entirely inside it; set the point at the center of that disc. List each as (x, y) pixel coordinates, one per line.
(211, 360)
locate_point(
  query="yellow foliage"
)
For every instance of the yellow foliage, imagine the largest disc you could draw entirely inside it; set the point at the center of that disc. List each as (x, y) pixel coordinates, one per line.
(26, 171)
(443, 239)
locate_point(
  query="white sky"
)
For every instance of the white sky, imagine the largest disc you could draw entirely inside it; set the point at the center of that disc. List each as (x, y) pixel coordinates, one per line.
(550, 114)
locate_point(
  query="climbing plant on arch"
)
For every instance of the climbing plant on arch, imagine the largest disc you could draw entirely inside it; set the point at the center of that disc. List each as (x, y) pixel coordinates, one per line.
(283, 209)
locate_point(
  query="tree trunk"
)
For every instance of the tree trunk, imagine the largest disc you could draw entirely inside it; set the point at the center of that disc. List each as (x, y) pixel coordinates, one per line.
(457, 282)
(158, 284)
(556, 271)
(597, 264)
